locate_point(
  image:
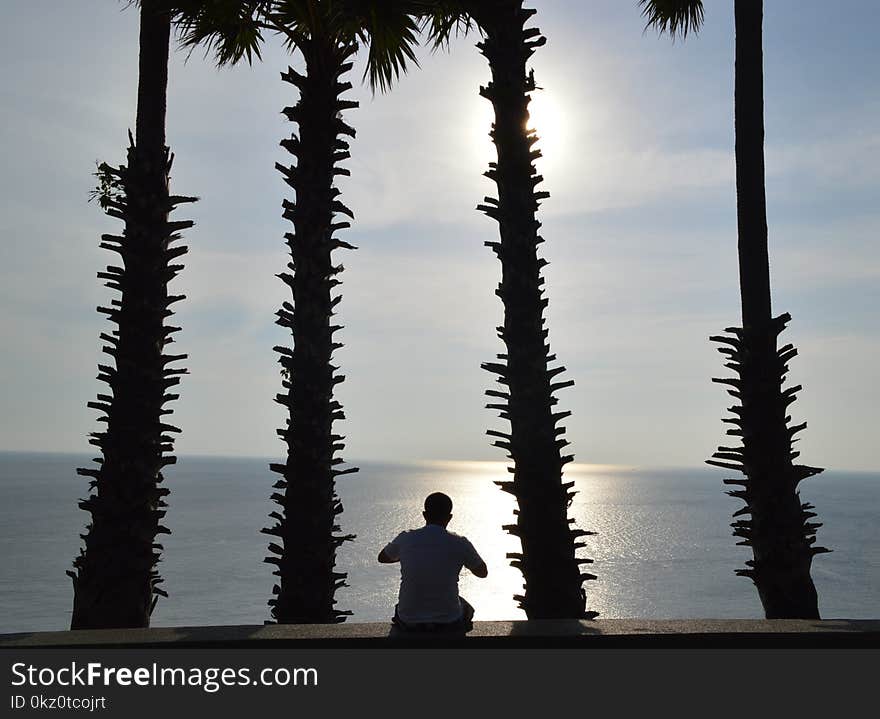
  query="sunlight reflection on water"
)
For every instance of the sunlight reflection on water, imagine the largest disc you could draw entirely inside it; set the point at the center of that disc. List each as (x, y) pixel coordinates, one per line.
(480, 510)
(663, 547)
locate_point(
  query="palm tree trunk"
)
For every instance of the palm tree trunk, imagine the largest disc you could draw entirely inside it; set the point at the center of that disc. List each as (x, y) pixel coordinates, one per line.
(115, 578)
(553, 581)
(779, 530)
(306, 557)
(754, 265)
(155, 34)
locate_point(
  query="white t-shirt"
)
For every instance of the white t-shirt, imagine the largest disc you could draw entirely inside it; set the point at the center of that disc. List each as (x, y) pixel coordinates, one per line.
(430, 561)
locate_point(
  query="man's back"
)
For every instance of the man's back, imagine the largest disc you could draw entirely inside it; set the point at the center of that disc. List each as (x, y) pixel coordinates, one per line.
(430, 561)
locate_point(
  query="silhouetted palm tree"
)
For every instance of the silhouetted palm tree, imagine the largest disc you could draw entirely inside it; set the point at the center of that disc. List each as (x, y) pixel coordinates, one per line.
(326, 33)
(780, 532)
(550, 568)
(115, 579)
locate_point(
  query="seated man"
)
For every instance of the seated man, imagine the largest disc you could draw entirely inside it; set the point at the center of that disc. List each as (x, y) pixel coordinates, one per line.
(430, 561)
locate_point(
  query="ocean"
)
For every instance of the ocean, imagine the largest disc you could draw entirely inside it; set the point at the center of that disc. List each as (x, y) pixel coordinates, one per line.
(663, 547)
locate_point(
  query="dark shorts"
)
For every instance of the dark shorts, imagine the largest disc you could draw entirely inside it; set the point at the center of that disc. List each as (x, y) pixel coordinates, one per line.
(465, 624)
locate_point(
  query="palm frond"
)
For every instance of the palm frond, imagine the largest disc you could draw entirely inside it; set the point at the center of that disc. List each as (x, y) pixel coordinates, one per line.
(233, 30)
(441, 27)
(230, 29)
(440, 20)
(391, 34)
(298, 20)
(676, 17)
(388, 28)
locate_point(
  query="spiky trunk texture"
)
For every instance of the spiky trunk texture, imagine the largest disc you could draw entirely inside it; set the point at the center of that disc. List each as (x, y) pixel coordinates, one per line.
(306, 525)
(115, 578)
(553, 580)
(779, 531)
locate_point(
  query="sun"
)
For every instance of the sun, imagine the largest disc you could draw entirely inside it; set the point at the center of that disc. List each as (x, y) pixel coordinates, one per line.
(547, 120)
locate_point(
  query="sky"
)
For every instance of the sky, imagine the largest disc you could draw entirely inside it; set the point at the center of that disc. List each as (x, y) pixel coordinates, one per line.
(637, 133)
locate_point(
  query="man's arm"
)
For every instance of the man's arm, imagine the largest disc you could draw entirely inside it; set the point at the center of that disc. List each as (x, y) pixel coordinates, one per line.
(480, 570)
(391, 552)
(384, 558)
(474, 562)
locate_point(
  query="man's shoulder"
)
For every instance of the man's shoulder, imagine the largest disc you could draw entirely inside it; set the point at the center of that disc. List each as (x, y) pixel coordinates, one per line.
(406, 534)
(458, 539)
(432, 533)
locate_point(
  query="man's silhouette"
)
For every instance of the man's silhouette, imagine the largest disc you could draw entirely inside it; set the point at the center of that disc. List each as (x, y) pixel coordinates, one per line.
(430, 561)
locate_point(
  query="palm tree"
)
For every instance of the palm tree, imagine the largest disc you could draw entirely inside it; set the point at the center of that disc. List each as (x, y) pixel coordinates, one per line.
(551, 570)
(326, 33)
(115, 580)
(780, 532)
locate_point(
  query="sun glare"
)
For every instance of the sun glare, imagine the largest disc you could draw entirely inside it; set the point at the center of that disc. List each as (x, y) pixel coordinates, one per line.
(546, 119)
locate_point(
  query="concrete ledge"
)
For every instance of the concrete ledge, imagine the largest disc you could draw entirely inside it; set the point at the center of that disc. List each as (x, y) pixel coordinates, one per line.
(618, 633)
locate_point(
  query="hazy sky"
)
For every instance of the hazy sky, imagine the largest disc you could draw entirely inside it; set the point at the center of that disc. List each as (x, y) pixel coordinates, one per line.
(640, 229)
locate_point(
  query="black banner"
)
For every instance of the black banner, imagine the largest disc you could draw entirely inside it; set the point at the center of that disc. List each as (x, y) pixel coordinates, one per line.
(412, 682)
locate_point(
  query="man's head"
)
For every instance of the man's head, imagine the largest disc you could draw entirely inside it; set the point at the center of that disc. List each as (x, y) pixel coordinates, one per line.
(438, 509)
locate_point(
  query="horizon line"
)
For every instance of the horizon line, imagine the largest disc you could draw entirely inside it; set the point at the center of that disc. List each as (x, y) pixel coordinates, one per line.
(579, 466)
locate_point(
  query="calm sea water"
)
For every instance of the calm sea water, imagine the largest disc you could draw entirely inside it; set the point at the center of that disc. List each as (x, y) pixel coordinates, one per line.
(663, 548)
